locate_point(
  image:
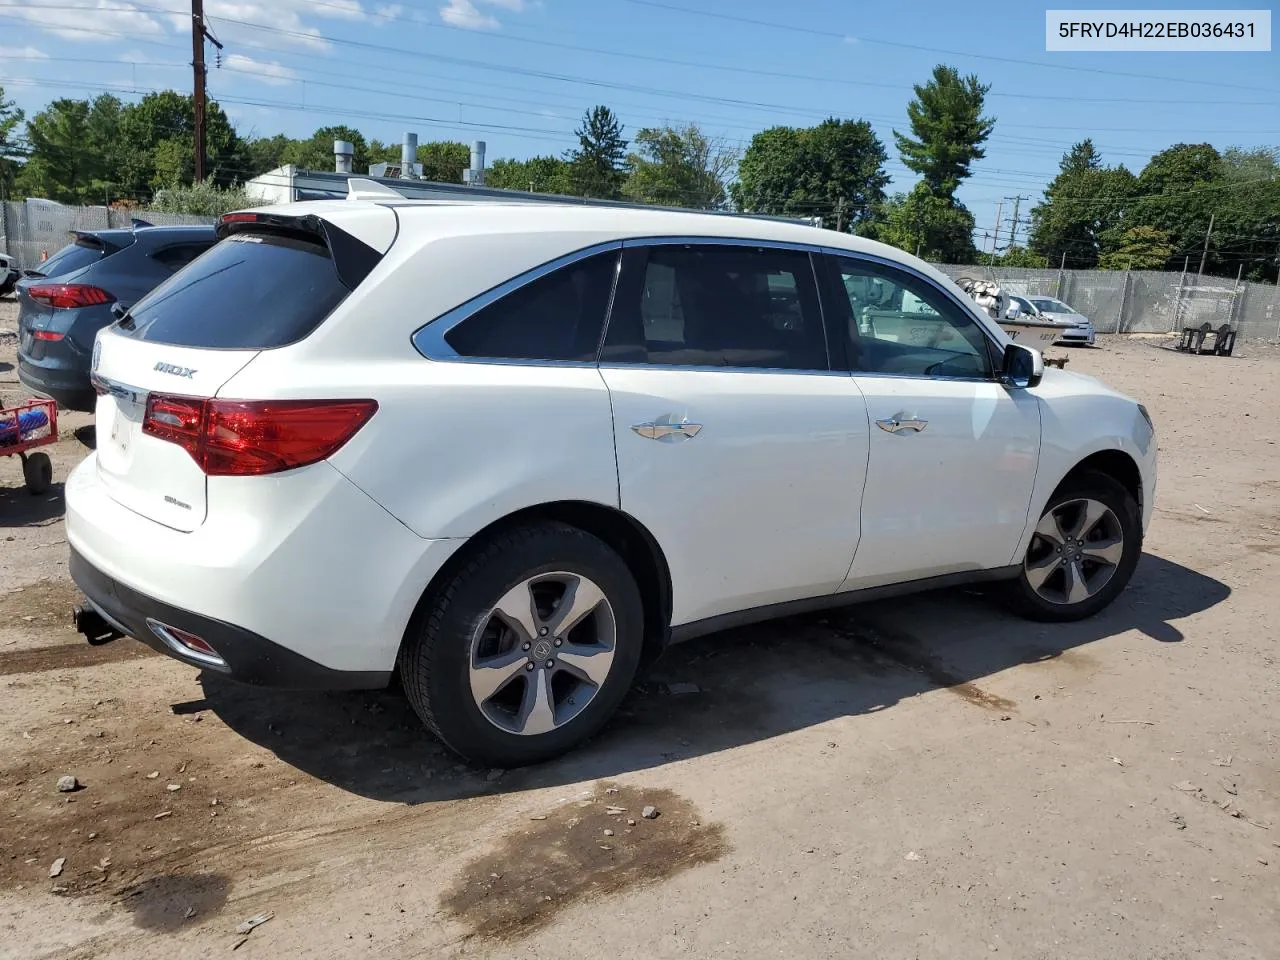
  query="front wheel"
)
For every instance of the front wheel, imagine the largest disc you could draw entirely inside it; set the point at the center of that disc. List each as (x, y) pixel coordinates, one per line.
(529, 648)
(1083, 551)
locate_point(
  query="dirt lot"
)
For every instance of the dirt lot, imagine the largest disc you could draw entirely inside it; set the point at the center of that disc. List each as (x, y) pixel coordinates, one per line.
(907, 779)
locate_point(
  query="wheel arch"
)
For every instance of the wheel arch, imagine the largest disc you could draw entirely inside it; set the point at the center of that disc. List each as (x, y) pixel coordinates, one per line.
(1114, 463)
(623, 533)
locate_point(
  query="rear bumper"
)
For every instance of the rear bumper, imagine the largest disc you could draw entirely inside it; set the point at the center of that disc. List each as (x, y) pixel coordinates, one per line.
(249, 657)
(303, 578)
(71, 389)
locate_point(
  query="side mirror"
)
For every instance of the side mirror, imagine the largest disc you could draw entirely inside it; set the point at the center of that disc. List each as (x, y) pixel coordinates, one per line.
(1013, 312)
(1022, 367)
(118, 310)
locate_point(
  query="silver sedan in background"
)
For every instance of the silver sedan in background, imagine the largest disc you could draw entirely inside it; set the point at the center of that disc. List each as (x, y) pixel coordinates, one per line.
(1081, 330)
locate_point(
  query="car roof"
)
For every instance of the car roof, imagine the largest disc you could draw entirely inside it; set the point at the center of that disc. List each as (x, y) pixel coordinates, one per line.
(426, 220)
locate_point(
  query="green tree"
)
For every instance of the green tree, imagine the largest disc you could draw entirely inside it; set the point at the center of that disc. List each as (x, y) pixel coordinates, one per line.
(266, 153)
(935, 228)
(1249, 211)
(444, 160)
(316, 151)
(10, 120)
(1085, 200)
(168, 116)
(679, 167)
(597, 165)
(59, 165)
(948, 130)
(1138, 248)
(205, 199)
(834, 170)
(1021, 257)
(537, 174)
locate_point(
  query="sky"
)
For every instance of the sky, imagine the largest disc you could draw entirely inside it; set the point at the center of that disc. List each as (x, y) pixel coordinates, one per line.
(519, 73)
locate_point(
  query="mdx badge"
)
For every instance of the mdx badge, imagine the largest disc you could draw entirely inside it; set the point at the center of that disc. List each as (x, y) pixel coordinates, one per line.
(163, 367)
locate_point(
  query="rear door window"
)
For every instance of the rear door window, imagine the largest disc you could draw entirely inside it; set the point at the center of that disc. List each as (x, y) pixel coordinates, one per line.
(250, 292)
(717, 305)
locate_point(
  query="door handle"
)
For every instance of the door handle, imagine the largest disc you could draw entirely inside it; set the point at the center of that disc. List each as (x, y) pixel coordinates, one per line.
(902, 424)
(667, 429)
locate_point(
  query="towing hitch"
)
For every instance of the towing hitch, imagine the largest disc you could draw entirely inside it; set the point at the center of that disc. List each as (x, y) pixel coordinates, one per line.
(94, 626)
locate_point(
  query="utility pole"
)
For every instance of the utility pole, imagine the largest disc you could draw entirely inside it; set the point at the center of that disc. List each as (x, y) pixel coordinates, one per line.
(995, 237)
(199, 33)
(1205, 253)
(1013, 232)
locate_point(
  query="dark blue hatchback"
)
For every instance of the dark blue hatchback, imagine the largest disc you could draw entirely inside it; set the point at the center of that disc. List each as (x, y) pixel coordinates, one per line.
(81, 289)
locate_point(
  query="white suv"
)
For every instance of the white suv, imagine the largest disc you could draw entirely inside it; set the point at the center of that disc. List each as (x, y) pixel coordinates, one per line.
(510, 451)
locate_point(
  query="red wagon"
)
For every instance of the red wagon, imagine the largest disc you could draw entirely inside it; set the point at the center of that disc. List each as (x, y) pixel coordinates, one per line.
(23, 428)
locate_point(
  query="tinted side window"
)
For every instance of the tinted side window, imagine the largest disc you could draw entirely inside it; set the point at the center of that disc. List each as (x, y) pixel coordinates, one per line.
(710, 305)
(250, 292)
(898, 323)
(559, 316)
(177, 256)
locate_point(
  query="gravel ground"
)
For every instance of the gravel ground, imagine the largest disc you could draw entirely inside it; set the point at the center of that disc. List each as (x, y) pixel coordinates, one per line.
(917, 778)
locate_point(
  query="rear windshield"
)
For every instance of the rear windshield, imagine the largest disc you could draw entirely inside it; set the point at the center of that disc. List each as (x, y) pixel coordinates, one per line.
(72, 257)
(250, 292)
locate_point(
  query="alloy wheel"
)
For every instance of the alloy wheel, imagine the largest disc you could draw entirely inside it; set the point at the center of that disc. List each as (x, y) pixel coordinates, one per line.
(542, 653)
(1075, 551)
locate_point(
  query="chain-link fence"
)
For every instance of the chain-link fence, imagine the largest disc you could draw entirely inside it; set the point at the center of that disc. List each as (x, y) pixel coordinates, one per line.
(33, 229)
(1135, 301)
(1145, 301)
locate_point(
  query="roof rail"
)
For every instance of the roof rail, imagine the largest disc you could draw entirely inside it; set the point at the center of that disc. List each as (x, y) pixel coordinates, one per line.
(361, 188)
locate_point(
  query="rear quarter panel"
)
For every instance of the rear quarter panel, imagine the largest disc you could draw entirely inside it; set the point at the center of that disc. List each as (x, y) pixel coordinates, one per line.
(454, 446)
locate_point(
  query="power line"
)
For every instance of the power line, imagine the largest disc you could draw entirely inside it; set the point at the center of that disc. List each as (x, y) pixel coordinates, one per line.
(967, 54)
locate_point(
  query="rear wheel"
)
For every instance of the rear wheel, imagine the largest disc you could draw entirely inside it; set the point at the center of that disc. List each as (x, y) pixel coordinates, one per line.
(529, 648)
(1083, 552)
(37, 473)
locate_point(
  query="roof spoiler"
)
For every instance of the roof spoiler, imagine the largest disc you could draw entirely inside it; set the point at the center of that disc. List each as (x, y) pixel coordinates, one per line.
(352, 257)
(361, 188)
(89, 238)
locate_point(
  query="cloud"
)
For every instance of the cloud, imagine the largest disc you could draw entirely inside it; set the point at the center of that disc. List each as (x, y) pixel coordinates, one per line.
(107, 21)
(22, 53)
(389, 11)
(266, 71)
(465, 14)
(96, 20)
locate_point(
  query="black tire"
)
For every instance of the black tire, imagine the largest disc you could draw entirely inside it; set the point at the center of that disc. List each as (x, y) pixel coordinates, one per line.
(1099, 487)
(435, 659)
(37, 472)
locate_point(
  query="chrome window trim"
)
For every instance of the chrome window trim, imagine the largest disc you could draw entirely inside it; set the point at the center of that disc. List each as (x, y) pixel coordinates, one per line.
(429, 339)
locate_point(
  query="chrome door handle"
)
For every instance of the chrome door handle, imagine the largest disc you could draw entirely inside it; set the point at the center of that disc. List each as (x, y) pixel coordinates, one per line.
(667, 429)
(901, 424)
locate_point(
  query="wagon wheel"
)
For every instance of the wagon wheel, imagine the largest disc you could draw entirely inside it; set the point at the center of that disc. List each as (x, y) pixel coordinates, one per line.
(37, 471)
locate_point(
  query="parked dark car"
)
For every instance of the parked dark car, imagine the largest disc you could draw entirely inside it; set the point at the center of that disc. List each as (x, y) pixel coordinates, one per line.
(71, 296)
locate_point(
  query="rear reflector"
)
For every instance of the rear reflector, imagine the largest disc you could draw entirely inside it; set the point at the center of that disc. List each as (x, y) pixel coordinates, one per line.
(51, 335)
(65, 296)
(243, 438)
(187, 644)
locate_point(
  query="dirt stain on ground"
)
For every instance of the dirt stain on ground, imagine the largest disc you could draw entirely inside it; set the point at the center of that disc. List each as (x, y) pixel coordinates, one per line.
(65, 656)
(552, 863)
(164, 904)
(906, 651)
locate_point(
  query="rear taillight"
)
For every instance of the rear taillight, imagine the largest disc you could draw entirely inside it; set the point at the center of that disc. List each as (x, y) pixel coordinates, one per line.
(64, 296)
(243, 438)
(51, 335)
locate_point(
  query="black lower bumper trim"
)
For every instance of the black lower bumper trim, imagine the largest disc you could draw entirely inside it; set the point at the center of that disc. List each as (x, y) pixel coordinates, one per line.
(250, 658)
